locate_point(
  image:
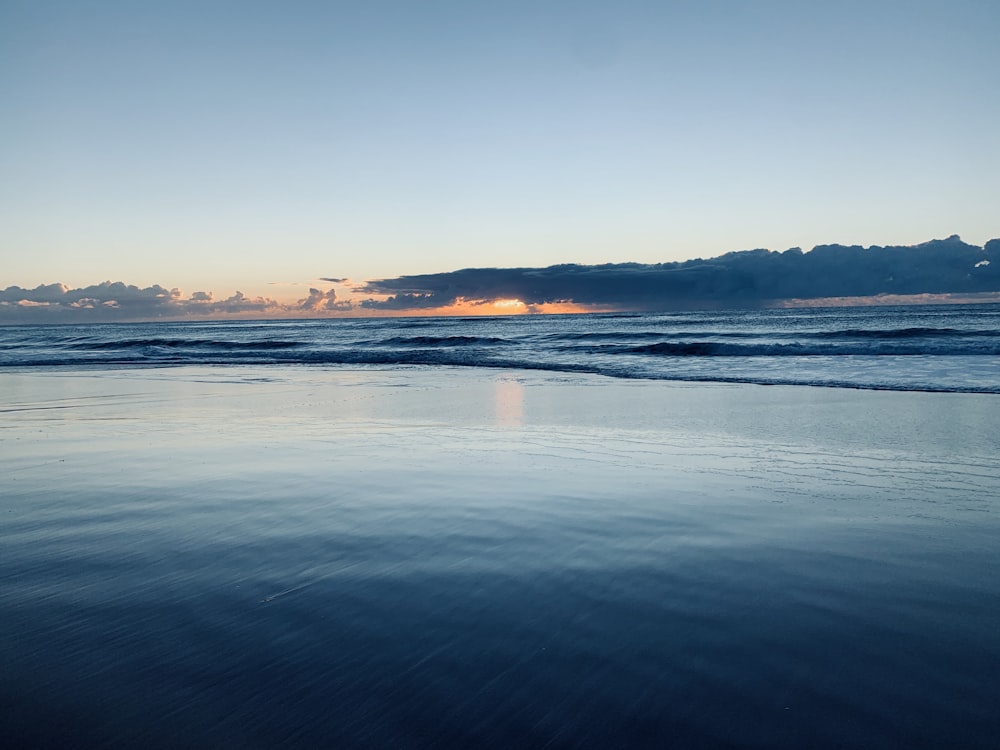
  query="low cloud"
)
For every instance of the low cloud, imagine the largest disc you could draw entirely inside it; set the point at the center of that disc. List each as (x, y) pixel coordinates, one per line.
(738, 279)
(319, 301)
(116, 301)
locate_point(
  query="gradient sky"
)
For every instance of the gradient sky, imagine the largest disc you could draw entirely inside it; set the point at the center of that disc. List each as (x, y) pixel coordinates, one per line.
(255, 145)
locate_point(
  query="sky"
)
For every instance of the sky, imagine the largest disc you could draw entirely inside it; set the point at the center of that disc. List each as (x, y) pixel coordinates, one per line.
(264, 146)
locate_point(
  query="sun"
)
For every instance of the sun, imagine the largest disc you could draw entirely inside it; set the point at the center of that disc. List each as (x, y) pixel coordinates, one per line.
(509, 305)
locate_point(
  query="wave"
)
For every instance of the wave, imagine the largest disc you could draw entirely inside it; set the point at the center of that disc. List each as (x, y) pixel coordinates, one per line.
(903, 333)
(181, 343)
(439, 341)
(726, 349)
(463, 350)
(434, 349)
(614, 368)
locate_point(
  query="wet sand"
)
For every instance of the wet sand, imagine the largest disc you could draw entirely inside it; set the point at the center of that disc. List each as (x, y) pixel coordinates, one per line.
(266, 556)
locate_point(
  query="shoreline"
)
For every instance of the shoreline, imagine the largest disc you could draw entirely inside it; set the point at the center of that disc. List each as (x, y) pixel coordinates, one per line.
(493, 396)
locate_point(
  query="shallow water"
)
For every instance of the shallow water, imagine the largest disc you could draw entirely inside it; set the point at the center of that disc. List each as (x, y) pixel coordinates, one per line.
(412, 558)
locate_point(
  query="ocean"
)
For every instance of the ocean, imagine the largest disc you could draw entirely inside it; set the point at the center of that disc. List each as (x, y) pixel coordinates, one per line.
(756, 529)
(931, 348)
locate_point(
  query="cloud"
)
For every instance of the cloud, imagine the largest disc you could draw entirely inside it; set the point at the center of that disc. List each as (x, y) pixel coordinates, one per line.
(738, 279)
(105, 301)
(116, 301)
(318, 301)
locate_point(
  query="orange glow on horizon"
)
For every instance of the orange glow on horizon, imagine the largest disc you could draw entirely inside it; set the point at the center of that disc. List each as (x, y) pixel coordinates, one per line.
(461, 308)
(509, 305)
(469, 308)
(474, 308)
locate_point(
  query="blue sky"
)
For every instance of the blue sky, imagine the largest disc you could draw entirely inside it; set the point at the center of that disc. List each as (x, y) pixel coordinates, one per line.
(261, 145)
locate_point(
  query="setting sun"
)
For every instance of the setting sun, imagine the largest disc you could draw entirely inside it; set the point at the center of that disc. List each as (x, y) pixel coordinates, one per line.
(509, 305)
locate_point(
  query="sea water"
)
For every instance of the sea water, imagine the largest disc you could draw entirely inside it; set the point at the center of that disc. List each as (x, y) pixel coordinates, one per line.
(235, 535)
(935, 348)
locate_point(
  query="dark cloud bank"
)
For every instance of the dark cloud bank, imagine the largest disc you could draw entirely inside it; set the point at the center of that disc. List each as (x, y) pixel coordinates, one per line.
(739, 279)
(750, 278)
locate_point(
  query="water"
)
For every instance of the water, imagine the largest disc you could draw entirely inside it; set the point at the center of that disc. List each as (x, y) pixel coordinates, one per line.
(234, 535)
(932, 348)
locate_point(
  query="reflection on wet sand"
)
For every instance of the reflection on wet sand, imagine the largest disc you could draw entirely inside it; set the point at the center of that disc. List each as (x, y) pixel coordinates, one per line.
(508, 396)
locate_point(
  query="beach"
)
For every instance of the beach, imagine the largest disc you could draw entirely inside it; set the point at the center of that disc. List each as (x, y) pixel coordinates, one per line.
(402, 556)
